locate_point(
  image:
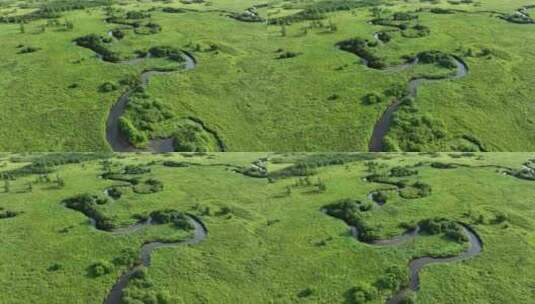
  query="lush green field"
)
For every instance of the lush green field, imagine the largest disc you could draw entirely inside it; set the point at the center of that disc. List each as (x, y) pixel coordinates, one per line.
(268, 241)
(52, 98)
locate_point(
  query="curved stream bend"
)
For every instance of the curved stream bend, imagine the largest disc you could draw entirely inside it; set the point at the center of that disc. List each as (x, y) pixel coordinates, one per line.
(383, 124)
(200, 232)
(416, 264)
(117, 140)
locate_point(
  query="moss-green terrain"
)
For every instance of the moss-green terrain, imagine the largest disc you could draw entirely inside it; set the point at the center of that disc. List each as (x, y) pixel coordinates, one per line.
(268, 76)
(267, 240)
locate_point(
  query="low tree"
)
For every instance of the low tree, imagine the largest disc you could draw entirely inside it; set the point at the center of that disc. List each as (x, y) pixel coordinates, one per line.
(362, 293)
(69, 25)
(60, 182)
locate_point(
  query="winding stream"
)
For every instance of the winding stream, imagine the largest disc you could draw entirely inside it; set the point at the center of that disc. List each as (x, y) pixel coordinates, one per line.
(116, 139)
(199, 233)
(383, 124)
(416, 264)
(115, 294)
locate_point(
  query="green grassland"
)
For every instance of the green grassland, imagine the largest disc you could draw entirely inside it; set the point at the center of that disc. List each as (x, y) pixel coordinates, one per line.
(311, 101)
(267, 241)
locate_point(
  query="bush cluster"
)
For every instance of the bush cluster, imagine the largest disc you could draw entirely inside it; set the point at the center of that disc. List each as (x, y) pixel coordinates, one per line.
(136, 169)
(8, 214)
(359, 47)
(87, 204)
(191, 137)
(362, 293)
(115, 192)
(413, 131)
(352, 212)
(99, 268)
(372, 98)
(436, 57)
(438, 225)
(107, 87)
(177, 218)
(402, 171)
(167, 51)
(176, 164)
(96, 44)
(142, 114)
(394, 278)
(416, 190)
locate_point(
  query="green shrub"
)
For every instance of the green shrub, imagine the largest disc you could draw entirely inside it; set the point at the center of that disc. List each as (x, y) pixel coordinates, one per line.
(416, 190)
(115, 192)
(9, 214)
(372, 98)
(191, 137)
(127, 257)
(362, 293)
(167, 51)
(54, 267)
(436, 57)
(135, 136)
(107, 87)
(87, 204)
(305, 293)
(380, 197)
(177, 218)
(176, 164)
(96, 44)
(438, 225)
(136, 15)
(136, 169)
(384, 37)
(99, 268)
(28, 49)
(287, 55)
(359, 47)
(393, 279)
(117, 33)
(402, 172)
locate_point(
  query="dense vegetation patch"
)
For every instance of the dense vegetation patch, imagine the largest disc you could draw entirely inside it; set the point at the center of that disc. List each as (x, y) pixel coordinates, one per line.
(114, 192)
(96, 43)
(141, 290)
(412, 131)
(192, 137)
(521, 16)
(151, 185)
(451, 229)
(316, 10)
(5, 214)
(99, 268)
(87, 204)
(250, 15)
(436, 57)
(136, 169)
(360, 47)
(142, 115)
(400, 171)
(352, 212)
(175, 164)
(171, 216)
(415, 190)
(169, 52)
